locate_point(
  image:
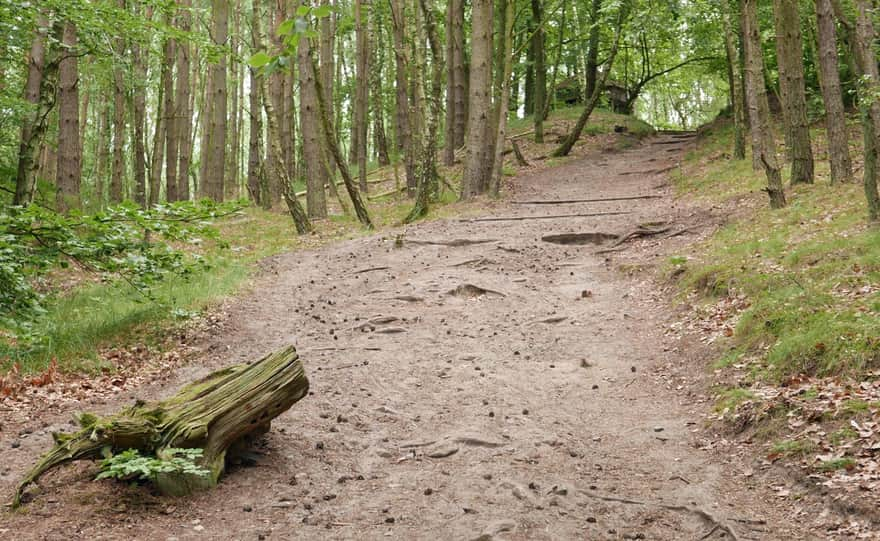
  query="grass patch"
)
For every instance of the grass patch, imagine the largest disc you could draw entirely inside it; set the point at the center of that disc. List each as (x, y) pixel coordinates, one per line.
(811, 271)
(729, 399)
(601, 122)
(792, 448)
(836, 464)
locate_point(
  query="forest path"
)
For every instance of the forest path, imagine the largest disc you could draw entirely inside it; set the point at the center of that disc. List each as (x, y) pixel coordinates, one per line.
(543, 406)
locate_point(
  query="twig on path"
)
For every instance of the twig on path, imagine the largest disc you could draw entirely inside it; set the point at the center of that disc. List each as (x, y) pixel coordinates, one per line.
(599, 200)
(455, 243)
(371, 269)
(550, 217)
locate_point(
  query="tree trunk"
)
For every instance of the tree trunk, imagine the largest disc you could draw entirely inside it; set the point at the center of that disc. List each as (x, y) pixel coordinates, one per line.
(501, 134)
(540, 70)
(377, 101)
(217, 414)
(461, 75)
(118, 168)
(566, 146)
(449, 137)
(171, 123)
(404, 118)
(37, 88)
(69, 170)
(328, 70)
(255, 115)
(139, 112)
(160, 131)
(790, 60)
(213, 184)
(330, 138)
(184, 104)
(362, 90)
(763, 143)
(829, 80)
(869, 91)
(475, 179)
(593, 51)
(310, 127)
(736, 90)
(427, 162)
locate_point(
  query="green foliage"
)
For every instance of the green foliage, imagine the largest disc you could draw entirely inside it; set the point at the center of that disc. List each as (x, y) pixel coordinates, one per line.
(125, 243)
(131, 465)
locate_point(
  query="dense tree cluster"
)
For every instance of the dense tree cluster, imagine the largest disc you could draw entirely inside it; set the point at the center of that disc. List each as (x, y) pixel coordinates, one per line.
(151, 101)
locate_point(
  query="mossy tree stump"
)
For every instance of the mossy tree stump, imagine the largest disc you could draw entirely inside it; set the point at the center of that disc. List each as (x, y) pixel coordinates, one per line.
(219, 412)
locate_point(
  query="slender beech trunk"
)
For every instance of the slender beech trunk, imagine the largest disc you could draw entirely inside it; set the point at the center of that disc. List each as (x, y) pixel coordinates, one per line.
(501, 135)
(475, 180)
(282, 169)
(255, 115)
(362, 91)
(215, 153)
(427, 162)
(118, 168)
(538, 38)
(377, 101)
(461, 75)
(170, 110)
(736, 89)
(157, 158)
(572, 138)
(330, 138)
(404, 118)
(593, 50)
(829, 80)
(139, 114)
(449, 138)
(763, 143)
(310, 127)
(39, 92)
(184, 101)
(865, 36)
(69, 169)
(790, 60)
(328, 70)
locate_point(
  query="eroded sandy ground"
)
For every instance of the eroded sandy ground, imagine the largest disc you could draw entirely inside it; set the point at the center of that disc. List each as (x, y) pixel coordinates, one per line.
(545, 407)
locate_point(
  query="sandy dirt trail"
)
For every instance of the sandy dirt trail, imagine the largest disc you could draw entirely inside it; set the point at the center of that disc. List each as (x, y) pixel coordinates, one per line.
(504, 389)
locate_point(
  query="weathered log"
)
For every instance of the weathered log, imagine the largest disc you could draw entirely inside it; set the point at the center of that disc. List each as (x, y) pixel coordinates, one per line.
(217, 414)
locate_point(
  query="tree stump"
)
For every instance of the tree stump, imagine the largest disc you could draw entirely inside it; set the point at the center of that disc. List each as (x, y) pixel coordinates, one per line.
(217, 413)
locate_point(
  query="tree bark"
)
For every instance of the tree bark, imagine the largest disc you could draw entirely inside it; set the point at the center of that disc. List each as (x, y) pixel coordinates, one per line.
(37, 88)
(118, 168)
(377, 101)
(829, 80)
(139, 112)
(565, 148)
(160, 131)
(736, 91)
(184, 104)
(330, 137)
(538, 38)
(449, 137)
(255, 173)
(790, 60)
(69, 170)
(461, 76)
(404, 118)
(171, 124)
(763, 143)
(212, 186)
(328, 70)
(506, 71)
(865, 36)
(310, 127)
(362, 91)
(593, 51)
(475, 180)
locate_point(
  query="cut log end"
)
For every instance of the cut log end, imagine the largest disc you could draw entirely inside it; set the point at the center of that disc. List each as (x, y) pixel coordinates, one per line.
(219, 414)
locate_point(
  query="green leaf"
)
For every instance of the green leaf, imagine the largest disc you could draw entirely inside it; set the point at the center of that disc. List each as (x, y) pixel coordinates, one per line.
(302, 11)
(285, 28)
(260, 59)
(322, 11)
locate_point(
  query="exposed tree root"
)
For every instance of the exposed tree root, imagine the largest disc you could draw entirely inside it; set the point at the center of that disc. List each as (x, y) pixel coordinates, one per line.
(549, 217)
(716, 524)
(600, 200)
(455, 243)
